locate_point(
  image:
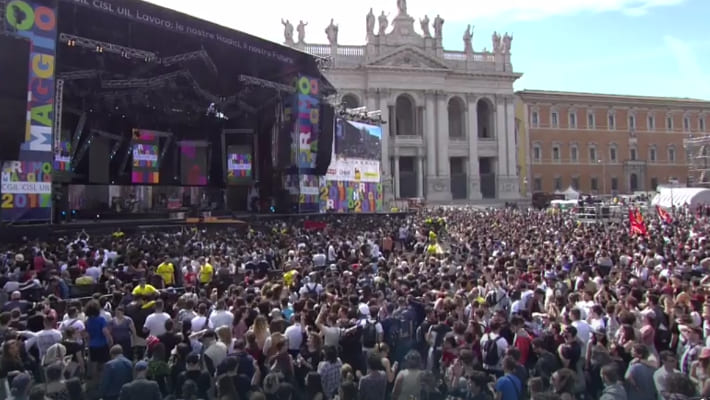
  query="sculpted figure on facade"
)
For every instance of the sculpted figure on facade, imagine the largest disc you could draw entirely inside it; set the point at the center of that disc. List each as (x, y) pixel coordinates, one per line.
(332, 32)
(288, 32)
(370, 23)
(468, 39)
(383, 23)
(438, 27)
(402, 6)
(424, 23)
(507, 39)
(301, 29)
(496, 40)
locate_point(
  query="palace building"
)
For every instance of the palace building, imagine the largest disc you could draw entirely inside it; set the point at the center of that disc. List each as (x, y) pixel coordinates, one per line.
(450, 131)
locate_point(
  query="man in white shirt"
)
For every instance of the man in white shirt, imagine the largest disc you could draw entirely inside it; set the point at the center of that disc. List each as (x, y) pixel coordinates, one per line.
(155, 323)
(45, 338)
(294, 336)
(200, 321)
(583, 329)
(501, 347)
(94, 272)
(669, 367)
(220, 317)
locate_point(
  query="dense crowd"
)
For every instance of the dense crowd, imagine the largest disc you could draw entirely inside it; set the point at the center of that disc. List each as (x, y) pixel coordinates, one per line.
(445, 304)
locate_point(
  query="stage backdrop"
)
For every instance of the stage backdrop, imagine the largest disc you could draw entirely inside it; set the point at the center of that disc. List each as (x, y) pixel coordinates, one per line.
(240, 165)
(26, 184)
(352, 183)
(304, 143)
(193, 163)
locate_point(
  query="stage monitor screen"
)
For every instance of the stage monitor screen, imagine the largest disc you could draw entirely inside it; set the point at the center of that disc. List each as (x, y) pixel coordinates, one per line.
(146, 167)
(193, 163)
(240, 165)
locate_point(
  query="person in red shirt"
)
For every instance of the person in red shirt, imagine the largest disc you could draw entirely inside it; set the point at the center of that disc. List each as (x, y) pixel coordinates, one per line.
(522, 339)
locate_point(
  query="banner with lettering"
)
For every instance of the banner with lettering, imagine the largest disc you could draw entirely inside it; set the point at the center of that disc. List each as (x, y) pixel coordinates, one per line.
(26, 191)
(305, 138)
(27, 183)
(352, 197)
(309, 194)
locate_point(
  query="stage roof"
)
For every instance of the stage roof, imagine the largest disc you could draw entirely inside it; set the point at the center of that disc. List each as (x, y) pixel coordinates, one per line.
(169, 60)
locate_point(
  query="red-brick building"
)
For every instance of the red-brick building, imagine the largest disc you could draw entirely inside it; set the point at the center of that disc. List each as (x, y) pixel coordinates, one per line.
(605, 144)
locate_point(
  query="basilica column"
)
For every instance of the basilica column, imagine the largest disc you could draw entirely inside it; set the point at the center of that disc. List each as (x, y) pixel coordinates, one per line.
(474, 174)
(420, 175)
(382, 96)
(442, 136)
(430, 135)
(503, 173)
(512, 148)
(395, 181)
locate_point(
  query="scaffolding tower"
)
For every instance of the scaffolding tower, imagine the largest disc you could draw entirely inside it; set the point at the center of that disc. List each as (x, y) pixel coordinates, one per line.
(697, 150)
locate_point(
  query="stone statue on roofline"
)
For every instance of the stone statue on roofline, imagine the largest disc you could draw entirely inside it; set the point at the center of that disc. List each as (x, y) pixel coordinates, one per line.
(425, 26)
(370, 24)
(496, 41)
(301, 29)
(402, 7)
(468, 39)
(332, 32)
(505, 43)
(288, 32)
(384, 23)
(438, 27)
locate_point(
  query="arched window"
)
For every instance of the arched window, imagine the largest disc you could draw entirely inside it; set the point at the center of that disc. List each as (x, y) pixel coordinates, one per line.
(405, 115)
(486, 116)
(456, 117)
(351, 101)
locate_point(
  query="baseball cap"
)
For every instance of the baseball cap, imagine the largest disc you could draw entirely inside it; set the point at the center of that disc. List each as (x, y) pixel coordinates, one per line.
(141, 366)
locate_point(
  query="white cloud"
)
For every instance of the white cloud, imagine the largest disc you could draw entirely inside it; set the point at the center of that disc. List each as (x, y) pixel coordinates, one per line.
(262, 18)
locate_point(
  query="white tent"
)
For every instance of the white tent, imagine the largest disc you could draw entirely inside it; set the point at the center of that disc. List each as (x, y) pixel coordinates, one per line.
(668, 197)
(571, 194)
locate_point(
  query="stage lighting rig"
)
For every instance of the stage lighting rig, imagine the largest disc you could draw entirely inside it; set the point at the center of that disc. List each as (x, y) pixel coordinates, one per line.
(105, 47)
(193, 55)
(78, 75)
(253, 81)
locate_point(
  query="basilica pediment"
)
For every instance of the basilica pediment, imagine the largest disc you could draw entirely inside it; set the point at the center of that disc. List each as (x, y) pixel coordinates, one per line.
(408, 57)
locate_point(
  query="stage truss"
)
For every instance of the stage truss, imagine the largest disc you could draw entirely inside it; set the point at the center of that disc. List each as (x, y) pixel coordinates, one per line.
(697, 150)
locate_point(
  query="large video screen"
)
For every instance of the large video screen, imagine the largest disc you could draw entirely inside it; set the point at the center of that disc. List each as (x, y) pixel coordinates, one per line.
(193, 163)
(146, 166)
(240, 165)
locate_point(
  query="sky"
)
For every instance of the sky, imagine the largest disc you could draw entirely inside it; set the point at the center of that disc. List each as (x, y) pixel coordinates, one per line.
(633, 47)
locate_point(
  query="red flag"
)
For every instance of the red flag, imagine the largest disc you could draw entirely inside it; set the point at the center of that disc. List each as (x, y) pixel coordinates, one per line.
(664, 215)
(636, 224)
(314, 225)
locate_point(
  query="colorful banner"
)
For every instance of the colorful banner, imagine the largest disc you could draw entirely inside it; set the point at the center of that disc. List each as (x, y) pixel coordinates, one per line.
(309, 193)
(62, 157)
(146, 166)
(353, 170)
(26, 190)
(38, 23)
(352, 197)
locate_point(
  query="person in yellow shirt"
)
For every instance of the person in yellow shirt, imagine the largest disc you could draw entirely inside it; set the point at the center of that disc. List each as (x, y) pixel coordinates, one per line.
(144, 290)
(166, 270)
(206, 272)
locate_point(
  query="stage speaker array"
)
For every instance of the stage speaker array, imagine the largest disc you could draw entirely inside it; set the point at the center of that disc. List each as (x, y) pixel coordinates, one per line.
(14, 75)
(325, 139)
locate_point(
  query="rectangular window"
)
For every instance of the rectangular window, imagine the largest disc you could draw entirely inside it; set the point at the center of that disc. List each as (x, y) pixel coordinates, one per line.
(701, 124)
(669, 123)
(537, 153)
(632, 122)
(558, 183)
(612, 154)
(573, 120)
(592, 155)
(573, 154)
(590, 121)
(575, 183)
(632, 154)
(555, 153)
(612, 121)
(651, 123)
(652, 155)
(537, 184)
(614, 184)
(686, 124)
(554, 120)
(594, 184)
(535, 119)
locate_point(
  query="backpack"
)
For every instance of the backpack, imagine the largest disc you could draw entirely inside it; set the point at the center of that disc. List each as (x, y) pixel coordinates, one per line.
(406, 325)
(312, 291)
(391, 327)
(490, 348)
(369, 334)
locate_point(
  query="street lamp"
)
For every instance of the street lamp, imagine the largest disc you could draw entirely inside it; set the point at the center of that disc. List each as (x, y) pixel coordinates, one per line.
(600, 161)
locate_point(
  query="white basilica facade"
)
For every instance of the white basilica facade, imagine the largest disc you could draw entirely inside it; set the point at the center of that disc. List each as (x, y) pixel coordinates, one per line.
(450, 131)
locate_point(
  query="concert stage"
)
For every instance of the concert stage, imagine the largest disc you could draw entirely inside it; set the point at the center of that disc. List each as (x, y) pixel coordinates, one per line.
(144, 223)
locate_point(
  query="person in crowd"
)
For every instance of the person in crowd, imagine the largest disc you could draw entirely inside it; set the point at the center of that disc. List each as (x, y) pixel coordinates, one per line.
(116, 373)
(140, 387)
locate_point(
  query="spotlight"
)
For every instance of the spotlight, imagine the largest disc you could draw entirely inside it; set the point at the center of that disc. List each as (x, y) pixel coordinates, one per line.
(272, 209)
(64, 213)
(73, 212)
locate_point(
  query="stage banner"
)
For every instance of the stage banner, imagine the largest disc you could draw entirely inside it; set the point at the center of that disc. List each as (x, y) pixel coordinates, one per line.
(37, 21)
(240, 165)
(305, 137)
(26, 191)
(146, 167)
(62, 157)
(352, 183)
(193, 163)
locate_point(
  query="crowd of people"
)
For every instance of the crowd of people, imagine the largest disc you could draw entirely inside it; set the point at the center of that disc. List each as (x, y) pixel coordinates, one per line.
(443, 304)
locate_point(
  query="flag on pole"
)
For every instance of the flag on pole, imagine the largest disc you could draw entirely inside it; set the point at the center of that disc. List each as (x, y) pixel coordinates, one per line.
(664, 215)
(636, 223)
